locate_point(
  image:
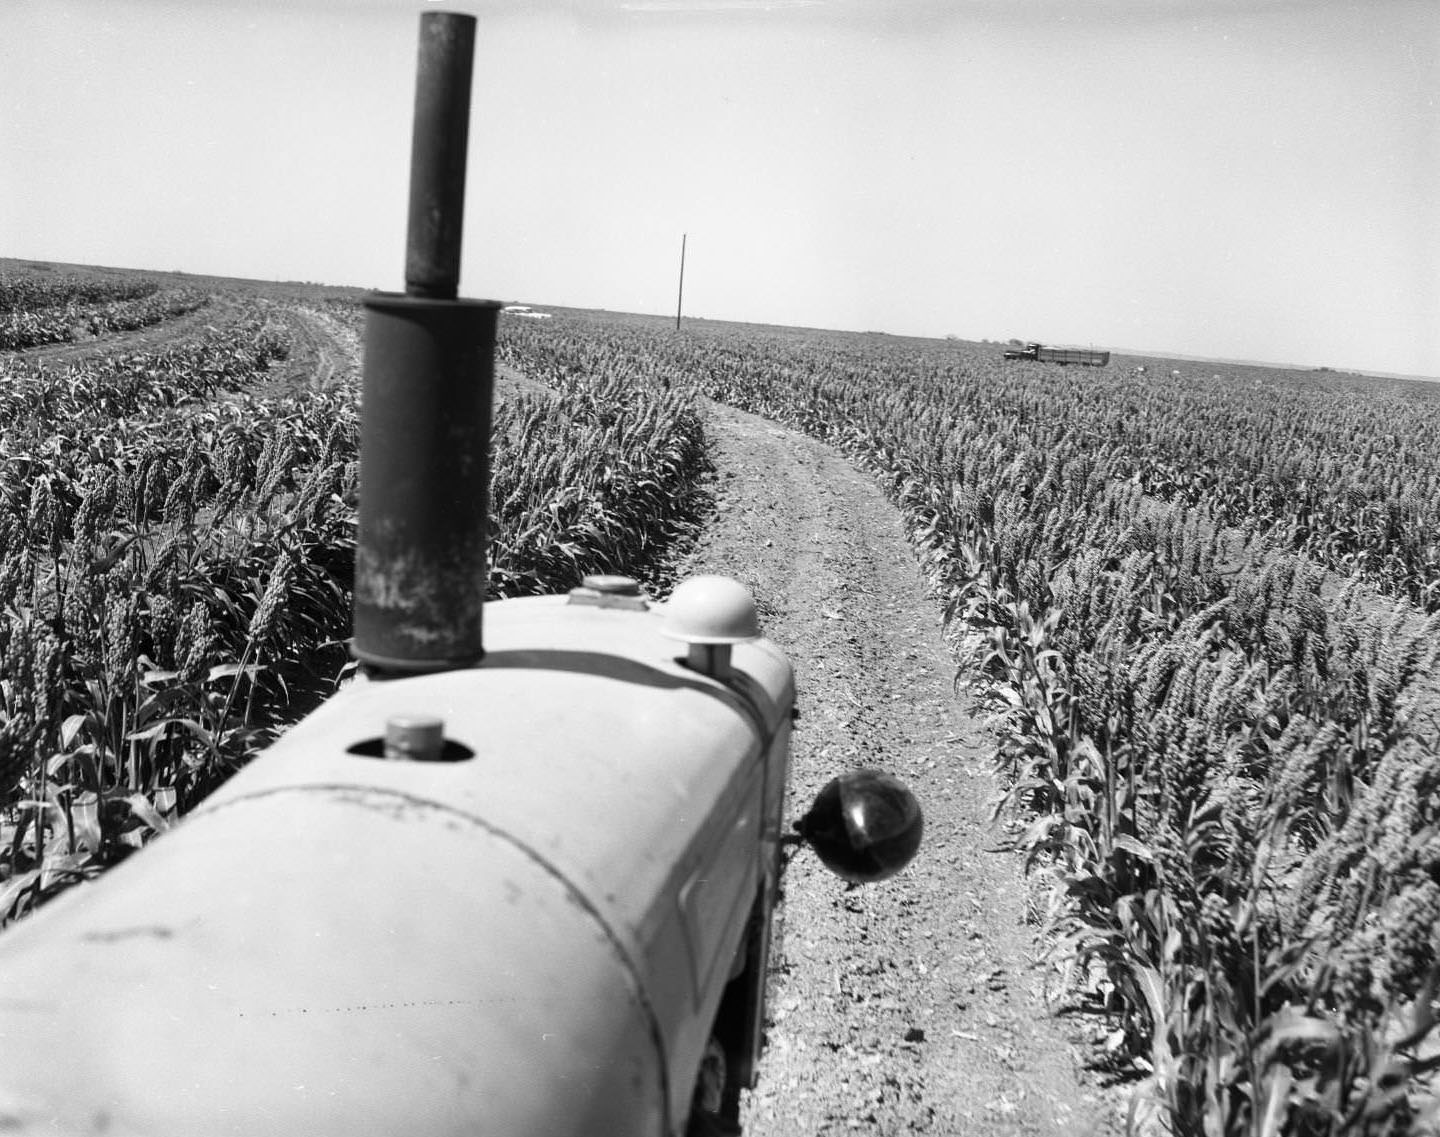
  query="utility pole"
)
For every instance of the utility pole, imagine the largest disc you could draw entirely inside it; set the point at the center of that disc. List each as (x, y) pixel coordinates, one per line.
(680, 303)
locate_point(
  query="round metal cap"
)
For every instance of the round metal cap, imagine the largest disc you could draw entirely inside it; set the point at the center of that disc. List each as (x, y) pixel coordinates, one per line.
(611, 585)
(414, 738)
(711, 610)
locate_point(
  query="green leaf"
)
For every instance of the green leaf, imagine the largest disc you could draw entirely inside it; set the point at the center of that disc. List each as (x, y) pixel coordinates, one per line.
(1134, 847)
(70, 728)
(228, 670)
(1277, 1099)
(142, 808)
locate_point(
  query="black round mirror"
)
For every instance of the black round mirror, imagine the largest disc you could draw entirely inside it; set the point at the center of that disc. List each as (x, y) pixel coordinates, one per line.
(865, 826)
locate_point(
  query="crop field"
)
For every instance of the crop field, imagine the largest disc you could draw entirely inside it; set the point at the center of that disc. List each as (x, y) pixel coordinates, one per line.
(1201, 601)
(1202, 605)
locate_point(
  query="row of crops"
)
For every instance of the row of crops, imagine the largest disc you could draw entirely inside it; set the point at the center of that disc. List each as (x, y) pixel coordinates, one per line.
(1199, 604)
(176, 550)
(36, 310)
(81, 321)
(42, 288)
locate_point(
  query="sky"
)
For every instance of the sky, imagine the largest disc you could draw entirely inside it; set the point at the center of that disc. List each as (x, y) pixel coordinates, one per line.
(1237, 179)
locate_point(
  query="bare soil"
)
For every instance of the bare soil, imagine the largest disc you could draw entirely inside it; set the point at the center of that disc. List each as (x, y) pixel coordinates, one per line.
(324, 352)
(916, 1005)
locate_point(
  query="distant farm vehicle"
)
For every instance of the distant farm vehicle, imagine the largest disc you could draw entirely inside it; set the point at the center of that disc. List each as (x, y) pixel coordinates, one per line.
(525, 312)
(1039, 353)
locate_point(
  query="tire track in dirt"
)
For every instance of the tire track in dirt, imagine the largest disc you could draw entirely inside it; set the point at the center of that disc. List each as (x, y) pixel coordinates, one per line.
(913, 1006)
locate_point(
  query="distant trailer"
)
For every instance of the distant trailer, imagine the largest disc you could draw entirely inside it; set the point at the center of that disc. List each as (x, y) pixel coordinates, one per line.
(1039, 353)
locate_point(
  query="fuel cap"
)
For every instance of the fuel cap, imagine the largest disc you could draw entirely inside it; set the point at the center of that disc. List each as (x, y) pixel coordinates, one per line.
(609, 584)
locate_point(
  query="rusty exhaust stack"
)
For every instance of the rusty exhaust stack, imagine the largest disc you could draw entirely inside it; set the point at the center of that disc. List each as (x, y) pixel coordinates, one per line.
(429, 374)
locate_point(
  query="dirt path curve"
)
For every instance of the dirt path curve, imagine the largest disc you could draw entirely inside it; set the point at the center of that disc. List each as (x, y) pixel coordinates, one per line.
(912, 1006)
(215, 311)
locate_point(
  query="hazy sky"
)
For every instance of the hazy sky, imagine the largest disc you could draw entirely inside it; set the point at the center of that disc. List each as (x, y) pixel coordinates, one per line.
(1251, 179)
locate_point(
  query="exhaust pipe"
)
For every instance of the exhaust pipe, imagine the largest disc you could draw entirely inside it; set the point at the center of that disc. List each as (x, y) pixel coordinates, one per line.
(428, 380)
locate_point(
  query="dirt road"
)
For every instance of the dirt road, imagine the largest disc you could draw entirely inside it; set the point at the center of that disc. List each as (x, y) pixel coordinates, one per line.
(912, 1006)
